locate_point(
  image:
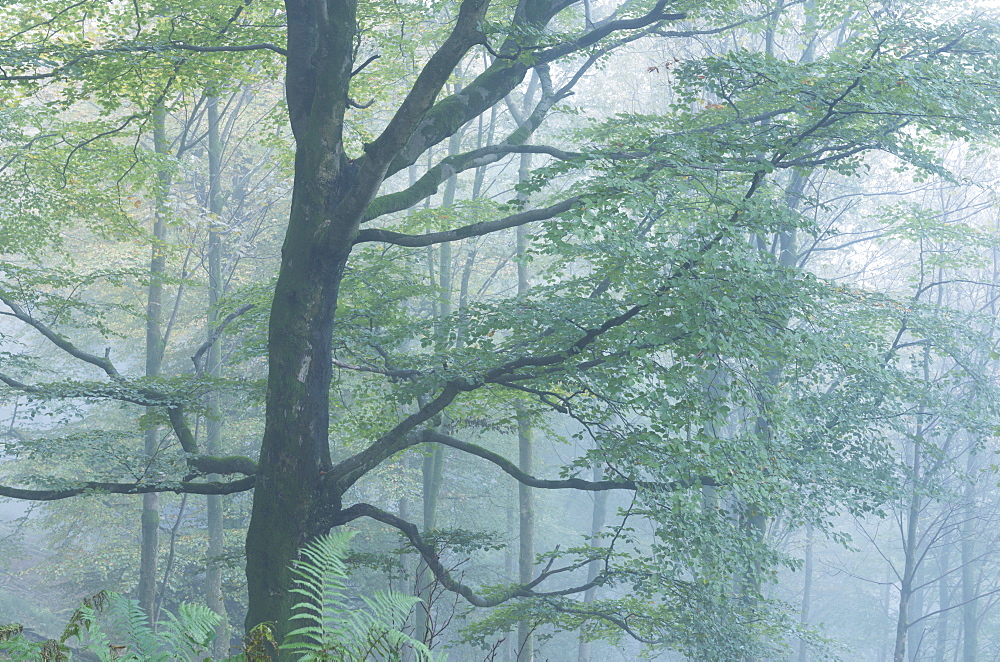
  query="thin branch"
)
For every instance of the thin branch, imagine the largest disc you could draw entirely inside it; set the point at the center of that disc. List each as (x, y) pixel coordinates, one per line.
(214, 336)
(473, 230)
(392, 374)
(222, 49)
(441, 573)
(605, 616)
(431, 436)
(93, 487)
(102, 362)
(364, 64)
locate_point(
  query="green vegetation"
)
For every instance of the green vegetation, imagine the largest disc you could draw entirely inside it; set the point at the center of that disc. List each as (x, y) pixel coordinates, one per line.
(601, 327)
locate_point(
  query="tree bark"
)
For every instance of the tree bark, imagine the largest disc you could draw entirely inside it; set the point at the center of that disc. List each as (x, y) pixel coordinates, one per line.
(292, 504)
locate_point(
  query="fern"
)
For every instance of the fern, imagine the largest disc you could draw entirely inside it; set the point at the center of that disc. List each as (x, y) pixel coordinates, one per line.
(185, 636)
(330, 630)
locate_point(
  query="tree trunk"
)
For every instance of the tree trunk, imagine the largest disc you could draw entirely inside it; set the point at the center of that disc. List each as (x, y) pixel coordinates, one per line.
(526, 538)
(944, 602)
(213, 425)
(970, 612)
(807, 581)
(525, 453)
(432, 467)
(910, 560)
(292, 503)
(596, 524)
(297, 495)
(432, 470)
(149, 552)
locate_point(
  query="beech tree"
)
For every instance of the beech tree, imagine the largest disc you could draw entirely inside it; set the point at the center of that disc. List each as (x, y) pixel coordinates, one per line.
(663, 348)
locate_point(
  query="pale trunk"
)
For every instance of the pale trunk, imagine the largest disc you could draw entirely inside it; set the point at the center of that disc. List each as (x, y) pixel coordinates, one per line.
(807, 580)
(910, 560)
(432, 467)
(970, 612)
(596, 524)
(149, 552)
(213, 425)
(525, 446)
(944, 603)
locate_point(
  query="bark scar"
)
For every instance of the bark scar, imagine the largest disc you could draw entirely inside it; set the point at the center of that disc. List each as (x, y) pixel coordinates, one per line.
(304, 368)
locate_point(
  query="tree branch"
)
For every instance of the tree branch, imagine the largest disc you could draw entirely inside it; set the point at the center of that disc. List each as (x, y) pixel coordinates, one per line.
(473, 230)
(230, 464)
(411, 111)
(183, 487)
(654, 15)
(102, 362)
(428, 183)
(441, 573)
(431, 436)
(214, 336)
(220, 49)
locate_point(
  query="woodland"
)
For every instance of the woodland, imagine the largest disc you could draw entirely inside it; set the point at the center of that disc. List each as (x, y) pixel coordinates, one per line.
(501, 330)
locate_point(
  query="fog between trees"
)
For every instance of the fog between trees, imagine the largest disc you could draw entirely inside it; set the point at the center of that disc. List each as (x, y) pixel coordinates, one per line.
(608, 330)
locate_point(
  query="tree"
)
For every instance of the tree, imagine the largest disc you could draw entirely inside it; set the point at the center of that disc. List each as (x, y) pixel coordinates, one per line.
(674, 291)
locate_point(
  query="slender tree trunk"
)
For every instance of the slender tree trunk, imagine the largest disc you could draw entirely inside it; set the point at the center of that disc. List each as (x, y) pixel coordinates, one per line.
(525, 454)
(807, 581)
(149, 553)
(526, 538)
(510, 645)
(944, 602)
(910, 559)
(213, 425)
(915, 633)
(432, 468)
(598, 516)
(970, 611)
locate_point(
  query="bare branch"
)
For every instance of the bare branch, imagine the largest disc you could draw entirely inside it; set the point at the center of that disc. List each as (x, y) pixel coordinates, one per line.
(221, 49)
(93, 487)
(214, 336)
(430, 557)
(102, 362)
(427, 185)
(473, 230)
(364, 64)
(226, 465)
(654, 15)
(511, 469)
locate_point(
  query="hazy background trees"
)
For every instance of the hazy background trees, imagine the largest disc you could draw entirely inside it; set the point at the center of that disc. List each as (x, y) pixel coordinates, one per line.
(758, 301)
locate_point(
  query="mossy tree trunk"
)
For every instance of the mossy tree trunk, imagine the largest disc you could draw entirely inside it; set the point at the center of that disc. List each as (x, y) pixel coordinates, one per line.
(297, 497)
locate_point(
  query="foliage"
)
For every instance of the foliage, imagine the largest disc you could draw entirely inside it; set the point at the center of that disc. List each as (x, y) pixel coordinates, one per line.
(327, 627)
(115, 628)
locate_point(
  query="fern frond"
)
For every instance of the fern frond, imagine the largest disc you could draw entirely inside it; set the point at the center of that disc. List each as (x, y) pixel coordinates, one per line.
(190, 633)
(329, 628)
